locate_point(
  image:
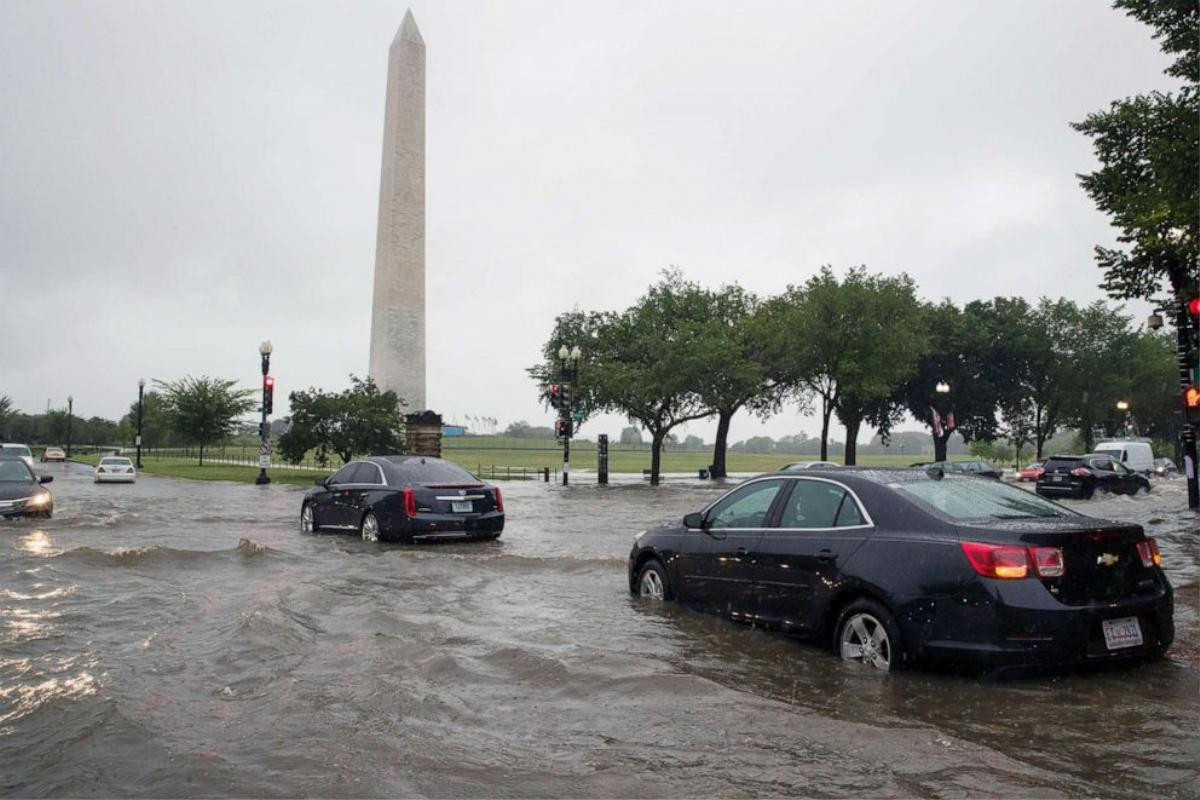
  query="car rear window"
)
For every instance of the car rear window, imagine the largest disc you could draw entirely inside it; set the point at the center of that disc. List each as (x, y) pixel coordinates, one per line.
(116, 462)
(975, 499)
(20, 450)
(419, 470)
(1115, 455)
(1060, 463)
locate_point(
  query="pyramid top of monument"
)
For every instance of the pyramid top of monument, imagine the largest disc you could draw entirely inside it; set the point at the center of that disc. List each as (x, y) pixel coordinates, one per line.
(408, 31)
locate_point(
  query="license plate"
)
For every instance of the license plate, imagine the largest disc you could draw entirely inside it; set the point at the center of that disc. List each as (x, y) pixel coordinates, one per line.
(1057, 479)
(1124, 632)
(461, 506)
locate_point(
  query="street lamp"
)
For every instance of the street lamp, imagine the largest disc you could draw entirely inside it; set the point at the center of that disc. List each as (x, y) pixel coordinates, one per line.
(70, 412)
(1123, 407)
(942, 387)
(264, 430)
(568, 364)
(141, 392)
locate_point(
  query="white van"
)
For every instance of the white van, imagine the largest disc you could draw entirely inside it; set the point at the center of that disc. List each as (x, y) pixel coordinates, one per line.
(1136, 455)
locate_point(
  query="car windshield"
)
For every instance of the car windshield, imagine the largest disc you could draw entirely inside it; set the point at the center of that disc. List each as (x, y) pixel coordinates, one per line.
(975, 499)
(16, 449)
(12, 471)
(419, 470)
(116, 462)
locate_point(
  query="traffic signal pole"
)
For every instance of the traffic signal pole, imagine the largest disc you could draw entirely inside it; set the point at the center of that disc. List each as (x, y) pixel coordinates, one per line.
(264, 429)
(1183, 329)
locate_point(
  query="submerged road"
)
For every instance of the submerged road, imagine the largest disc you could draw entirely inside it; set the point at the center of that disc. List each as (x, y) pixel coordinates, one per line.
(183, 638)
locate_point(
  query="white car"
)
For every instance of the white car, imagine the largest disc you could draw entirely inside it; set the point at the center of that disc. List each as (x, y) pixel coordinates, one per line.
(22, 451)
(115, 469)
(798, 465)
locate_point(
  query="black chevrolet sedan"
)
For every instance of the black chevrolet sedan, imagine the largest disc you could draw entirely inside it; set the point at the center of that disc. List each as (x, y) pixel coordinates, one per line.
(410, 498)
(21, 491)
(902, 567)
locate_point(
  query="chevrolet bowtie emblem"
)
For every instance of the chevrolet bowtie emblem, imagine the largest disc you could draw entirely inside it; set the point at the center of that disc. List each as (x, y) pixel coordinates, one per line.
(1107, 559)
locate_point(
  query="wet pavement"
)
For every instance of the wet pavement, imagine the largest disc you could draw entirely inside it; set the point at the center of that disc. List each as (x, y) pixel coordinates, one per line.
(183, 638)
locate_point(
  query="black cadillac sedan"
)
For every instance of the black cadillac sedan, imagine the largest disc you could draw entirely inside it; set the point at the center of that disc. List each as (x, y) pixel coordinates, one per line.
(902, 567)
(409, 498)
(21, 492)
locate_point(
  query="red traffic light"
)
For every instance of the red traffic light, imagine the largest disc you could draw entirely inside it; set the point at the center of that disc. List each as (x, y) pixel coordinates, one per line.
(1191, 397)
(268, 382)
(1193, 306)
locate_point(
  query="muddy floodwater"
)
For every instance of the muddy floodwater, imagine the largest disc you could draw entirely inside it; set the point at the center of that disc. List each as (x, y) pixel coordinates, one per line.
(184, 638)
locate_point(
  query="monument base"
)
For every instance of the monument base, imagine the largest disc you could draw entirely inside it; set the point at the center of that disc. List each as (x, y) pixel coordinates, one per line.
(423, 434)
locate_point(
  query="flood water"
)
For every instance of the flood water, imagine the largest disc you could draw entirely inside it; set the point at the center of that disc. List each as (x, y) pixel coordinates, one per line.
(183, 638)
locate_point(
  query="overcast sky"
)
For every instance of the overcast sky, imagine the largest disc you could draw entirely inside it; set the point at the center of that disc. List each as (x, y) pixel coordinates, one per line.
(180, 180)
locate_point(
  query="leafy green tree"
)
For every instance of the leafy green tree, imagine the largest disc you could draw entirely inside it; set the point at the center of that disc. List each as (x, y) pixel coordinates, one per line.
(357, 421)
(204, 410)
(6, 413)
(156, 419)
(1149, 151)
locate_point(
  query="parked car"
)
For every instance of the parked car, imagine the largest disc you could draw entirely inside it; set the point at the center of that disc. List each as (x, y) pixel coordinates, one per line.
(21, 451)
(1164, 467)
(411, 498)
(1136, 455)
(1031, 472)
(900, 567)
(54, 454)
(795, 465)
(1082, 476)
(115, 469)
(981, 468)
(21, 490)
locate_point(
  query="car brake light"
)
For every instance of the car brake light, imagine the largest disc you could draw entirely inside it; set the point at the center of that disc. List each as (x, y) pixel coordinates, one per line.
(499, 499)
(997, 561)
(1081, 472)
(1148, 550)
(1048, 561)
(410, 502)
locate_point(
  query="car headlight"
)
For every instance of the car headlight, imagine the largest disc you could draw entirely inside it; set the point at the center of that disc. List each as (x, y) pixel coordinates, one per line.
(39, 500)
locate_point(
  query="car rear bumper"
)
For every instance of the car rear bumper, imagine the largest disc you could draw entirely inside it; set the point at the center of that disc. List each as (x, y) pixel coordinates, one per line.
(116, 478)
(1022, 626)
(434, 527)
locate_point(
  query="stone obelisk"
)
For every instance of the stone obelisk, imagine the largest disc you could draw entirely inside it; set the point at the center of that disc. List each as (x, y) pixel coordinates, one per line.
(398, 307)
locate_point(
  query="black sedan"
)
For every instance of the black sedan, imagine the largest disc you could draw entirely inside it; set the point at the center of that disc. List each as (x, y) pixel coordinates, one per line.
(410, 498)
(901, 567)
(1081, 476)
(21, 492)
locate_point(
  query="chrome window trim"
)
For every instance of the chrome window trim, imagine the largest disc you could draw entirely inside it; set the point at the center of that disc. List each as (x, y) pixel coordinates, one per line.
(862, 509)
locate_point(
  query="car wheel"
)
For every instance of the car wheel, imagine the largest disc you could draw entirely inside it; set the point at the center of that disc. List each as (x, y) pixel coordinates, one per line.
(652, 581)
(1088, 491)
(369, 527)
(866, 632)
(308, 519)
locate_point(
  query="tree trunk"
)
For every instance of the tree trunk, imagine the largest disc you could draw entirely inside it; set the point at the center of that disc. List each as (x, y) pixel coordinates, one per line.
(825, 412)
(1039, 434)
(655, 456)
(939, 446)
(718, 462)
(202, 455)
(851, 451)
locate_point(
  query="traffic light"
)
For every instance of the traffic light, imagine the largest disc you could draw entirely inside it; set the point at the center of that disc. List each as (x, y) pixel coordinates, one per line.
(268, 394)
(566, 395)
(555, 396)
(1191, 403)
(1193, 306)
(563, 429)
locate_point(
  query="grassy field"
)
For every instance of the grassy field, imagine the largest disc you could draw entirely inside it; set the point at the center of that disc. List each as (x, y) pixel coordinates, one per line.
(525, 458)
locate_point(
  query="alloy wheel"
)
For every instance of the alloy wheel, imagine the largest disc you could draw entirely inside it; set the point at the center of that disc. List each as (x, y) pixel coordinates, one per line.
(306, 519)
(651, 585)
(865, 639)
(370, 528)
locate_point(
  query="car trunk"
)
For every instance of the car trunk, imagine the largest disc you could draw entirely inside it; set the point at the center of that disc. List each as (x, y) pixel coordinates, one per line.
(457, 498)
(1100, 559)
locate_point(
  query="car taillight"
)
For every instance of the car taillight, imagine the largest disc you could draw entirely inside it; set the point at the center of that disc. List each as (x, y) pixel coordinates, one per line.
(1148, 550)
(1081, 472)
(1010, 562)
(1048, 561)
(499, 499)
(410, 502)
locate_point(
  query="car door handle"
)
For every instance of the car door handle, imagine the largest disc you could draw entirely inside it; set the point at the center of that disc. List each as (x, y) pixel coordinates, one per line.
(825, 555)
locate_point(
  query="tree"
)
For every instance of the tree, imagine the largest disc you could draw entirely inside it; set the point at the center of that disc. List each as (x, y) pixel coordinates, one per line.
(156, 419)
(693, 442)
(1149, 150)
(357, 421)
(204, 410)
(6, 413)
(631, 435)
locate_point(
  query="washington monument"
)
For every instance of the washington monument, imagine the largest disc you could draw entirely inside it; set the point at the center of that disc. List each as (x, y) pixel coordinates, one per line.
(398, 307)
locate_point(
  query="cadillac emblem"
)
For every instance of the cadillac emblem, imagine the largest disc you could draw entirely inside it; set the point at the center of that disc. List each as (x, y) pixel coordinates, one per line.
(1107, 559)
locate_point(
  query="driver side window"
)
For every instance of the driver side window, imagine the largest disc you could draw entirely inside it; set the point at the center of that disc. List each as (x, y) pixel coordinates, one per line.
(746, 507)
(343, 474)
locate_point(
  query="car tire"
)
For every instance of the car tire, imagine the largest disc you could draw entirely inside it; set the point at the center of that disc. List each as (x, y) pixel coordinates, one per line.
(652, 581)
(866, 632)
(1088, 491)
(368, 528)
(308, 519)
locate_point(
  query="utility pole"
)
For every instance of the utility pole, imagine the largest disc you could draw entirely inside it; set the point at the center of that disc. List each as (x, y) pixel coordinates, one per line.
(1187, 325)
(70, 413)
(268, 402)
(141, 390)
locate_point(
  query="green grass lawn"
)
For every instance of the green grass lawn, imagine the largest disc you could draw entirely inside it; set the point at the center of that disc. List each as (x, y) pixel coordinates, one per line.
(173, 467)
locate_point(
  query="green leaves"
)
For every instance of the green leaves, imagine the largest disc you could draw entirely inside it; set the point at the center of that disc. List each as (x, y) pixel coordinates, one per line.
(358, 421)
(204, 410)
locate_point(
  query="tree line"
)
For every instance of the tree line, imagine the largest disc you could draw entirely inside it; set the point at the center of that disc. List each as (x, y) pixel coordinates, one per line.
(863, 349)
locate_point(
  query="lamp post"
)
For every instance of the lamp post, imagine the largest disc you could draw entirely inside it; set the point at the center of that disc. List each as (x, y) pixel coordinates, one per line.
(940, 421)
(568, 358)
(70, 412)
(264, 443)
(141, 393)
(1123, 407)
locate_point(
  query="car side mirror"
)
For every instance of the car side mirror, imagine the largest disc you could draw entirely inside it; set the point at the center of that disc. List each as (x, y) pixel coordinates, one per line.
(45, 478)
(694, 520)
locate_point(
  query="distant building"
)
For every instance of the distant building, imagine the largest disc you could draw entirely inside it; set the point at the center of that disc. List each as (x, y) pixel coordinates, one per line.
(454, 430)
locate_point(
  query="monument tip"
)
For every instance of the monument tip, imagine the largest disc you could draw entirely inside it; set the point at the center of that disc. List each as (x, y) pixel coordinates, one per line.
(409, 32)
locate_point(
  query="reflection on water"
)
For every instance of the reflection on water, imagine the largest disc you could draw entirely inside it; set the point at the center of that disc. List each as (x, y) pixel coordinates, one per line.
(186, 639)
